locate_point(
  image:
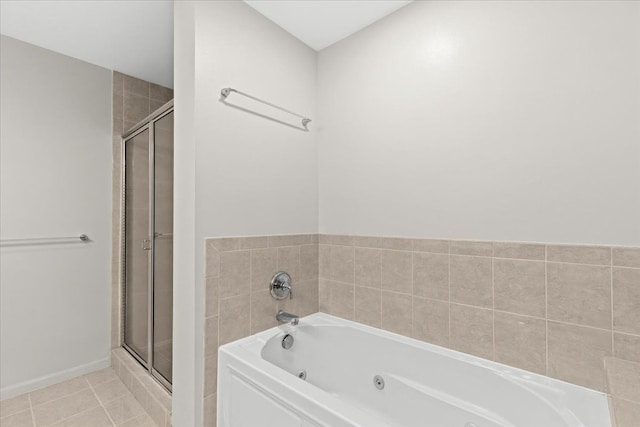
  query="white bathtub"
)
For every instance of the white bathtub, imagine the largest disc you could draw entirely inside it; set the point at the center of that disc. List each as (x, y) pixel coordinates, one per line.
(424, 385)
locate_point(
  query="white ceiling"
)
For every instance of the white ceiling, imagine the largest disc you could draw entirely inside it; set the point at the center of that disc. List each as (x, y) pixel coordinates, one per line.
(136, 36)
(320, 23)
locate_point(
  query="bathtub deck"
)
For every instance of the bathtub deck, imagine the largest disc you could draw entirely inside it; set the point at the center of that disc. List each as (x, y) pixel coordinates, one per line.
(98, 399)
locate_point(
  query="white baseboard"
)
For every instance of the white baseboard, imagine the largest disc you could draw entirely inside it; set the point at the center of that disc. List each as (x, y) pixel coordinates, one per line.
(47, 380)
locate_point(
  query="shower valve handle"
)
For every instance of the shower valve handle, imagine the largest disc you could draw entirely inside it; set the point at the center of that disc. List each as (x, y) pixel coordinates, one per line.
(280, 286)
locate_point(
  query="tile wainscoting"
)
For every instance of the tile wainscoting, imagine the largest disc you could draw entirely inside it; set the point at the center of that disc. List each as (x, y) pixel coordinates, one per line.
(552, 309)
(558, 310)
(237, 299)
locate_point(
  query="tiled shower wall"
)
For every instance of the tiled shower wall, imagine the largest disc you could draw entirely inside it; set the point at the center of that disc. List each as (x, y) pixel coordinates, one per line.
(238, 303)
(133, 100)
(551, 309)
(154, 399)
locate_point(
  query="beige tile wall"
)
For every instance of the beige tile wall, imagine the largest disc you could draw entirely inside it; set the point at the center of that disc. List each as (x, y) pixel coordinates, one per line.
(557, 310)
(552, 309)
(153, 398)
(237, 299)
(623, 381)
(133, 100)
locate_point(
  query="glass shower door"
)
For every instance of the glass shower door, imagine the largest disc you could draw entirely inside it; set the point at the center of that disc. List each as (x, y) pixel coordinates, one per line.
(137, 250)
(148, 244)
(163, 247)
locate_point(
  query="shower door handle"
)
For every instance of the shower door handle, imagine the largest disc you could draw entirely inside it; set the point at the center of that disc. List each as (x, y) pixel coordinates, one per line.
(146, 244)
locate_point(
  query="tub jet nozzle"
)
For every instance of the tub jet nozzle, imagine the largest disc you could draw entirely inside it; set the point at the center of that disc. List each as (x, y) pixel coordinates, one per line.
(378, 381)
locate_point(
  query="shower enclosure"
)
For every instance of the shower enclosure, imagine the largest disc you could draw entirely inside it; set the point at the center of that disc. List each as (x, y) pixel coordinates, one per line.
(147, 251)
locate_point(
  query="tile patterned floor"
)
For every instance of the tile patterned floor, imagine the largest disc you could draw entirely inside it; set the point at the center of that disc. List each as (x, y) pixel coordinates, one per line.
(99, 399)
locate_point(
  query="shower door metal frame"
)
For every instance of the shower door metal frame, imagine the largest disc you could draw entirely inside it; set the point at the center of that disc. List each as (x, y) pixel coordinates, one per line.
(148, 123)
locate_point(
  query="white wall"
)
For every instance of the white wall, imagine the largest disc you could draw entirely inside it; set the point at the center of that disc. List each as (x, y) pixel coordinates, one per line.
(55, 181)
(492, 120)
(252, 175)
(133, 37)
(485, 120)
(187, 328)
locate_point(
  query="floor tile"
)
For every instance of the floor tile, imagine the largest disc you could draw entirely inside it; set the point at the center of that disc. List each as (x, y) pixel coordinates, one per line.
(59, 390)
(102, 376)
(19, 419)
(95, 417)
(110, 391)
(98, 399)
(14, 405)
(57, 410)
(143, 421)
(124, 409)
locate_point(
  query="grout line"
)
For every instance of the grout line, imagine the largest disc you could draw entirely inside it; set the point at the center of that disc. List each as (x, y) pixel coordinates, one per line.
(250, 293)
(300, 263)
(618, 267)
(484, 308)
(610, 264)
(122, 95)
(449, 298)
(464, 240)
(354, 284)
(33, 416)
(492, 256)
(379, 251)
(413, 292)
(99, 401)
(579, 263)
(58, 423)
(536, 260)
(59, 397)
(493, 305)
(546, 314)
(627, 333)
(218, 311)
(611, 296)
(530, 317)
